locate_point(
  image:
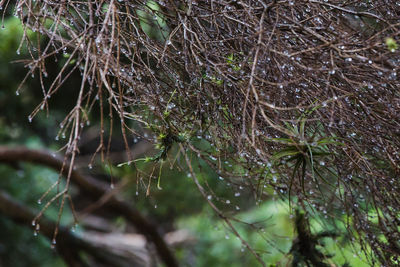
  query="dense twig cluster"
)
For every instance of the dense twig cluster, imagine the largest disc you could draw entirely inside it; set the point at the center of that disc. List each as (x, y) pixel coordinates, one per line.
(302, 94)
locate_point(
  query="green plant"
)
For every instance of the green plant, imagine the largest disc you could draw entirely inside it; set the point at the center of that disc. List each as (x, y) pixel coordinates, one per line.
(303, 149)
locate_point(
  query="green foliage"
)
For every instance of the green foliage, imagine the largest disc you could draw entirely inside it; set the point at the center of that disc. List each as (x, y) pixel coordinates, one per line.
(221, 248)
(24, 182)
(19, 245)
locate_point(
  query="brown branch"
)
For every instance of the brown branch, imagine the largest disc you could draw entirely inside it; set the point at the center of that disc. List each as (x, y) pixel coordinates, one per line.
(94, 189)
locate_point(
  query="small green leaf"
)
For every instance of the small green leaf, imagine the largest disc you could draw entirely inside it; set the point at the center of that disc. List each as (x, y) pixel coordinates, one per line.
(287, 141)
(329, 141)
(285, 153)
(161, 136)
(391, 44)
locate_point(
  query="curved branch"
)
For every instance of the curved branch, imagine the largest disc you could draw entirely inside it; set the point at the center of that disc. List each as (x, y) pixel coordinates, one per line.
(95, 189)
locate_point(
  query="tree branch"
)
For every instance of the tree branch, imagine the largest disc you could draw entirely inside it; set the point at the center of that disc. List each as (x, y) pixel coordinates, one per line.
(95, 189)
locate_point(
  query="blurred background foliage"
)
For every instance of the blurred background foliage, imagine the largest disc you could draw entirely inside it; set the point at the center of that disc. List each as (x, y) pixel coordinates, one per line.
(270, 229)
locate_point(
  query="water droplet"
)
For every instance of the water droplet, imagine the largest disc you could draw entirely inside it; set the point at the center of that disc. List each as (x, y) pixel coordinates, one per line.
(33, 223)
(90, 166)
(349, 59)
(209, 197)
(112, 185)
(237, 194)
(39, 201)
(53, 243)
(17, 93)
(322, 163)
(35, 233)
(155, 206)
(226, 236)
(29, 118)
